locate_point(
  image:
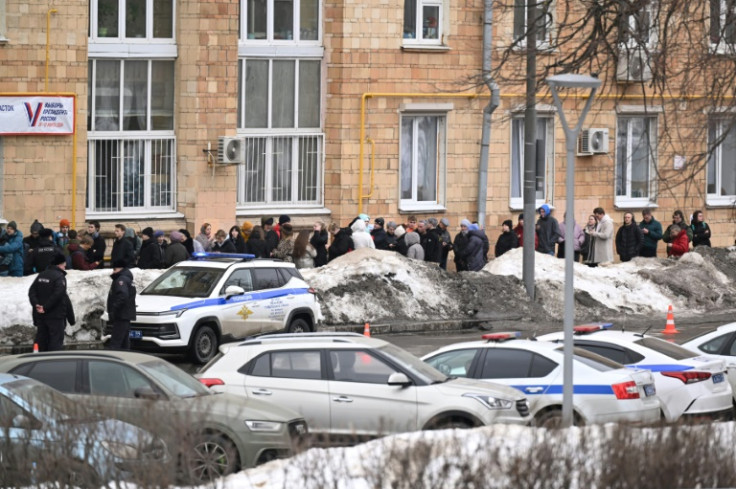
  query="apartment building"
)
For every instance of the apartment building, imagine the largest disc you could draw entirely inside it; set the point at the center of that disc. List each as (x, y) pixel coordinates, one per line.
(228, 110)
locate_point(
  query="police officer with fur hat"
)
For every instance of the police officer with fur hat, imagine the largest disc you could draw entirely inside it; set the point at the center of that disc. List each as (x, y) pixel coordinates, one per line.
(120, 306)
(51, 305)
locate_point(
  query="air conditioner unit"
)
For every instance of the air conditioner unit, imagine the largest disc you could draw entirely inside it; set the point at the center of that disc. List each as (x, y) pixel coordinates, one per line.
(230, 151)
(634, 65)
(593, 141)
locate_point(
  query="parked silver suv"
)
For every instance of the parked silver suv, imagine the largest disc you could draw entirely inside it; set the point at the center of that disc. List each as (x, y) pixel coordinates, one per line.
(348, 384)
(196, 305)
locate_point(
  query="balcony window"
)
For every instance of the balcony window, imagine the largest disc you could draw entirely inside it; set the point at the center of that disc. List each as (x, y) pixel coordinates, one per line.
(636, 142)
(132, 19)
(280, 20)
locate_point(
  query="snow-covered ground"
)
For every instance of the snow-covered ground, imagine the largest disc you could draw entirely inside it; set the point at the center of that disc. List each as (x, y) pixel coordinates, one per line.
(375, 286)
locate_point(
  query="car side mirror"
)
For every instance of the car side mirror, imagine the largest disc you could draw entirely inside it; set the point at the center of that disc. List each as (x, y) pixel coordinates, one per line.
(23, 422)
(232, 290)
(398, 378)
(146, 393)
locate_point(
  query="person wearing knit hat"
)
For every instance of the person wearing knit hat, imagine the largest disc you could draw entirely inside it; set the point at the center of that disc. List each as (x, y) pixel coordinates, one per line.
(147, 232)
(61, 238)
(401, 246)
(51, 305)
(507, 240)
(31, 243)
(176, 251)
(283, 219)
(152, 253)
(459, 245)
(11, 251)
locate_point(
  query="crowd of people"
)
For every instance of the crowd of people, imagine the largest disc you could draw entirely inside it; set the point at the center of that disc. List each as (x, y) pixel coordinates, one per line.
(594, 242)
(427, 240)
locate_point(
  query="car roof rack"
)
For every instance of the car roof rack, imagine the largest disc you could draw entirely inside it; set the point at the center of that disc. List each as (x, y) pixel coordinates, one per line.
(337, 336)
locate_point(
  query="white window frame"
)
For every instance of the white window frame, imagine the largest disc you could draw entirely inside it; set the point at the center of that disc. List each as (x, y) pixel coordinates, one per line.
(716, 158)
(722, 46)
(546, 42)
(517, 203)
(148, 136)
(627, 201)
(269, 40)
(133, 47)
(441, 111)
(3, 22)
(418, 41)
(651, 43)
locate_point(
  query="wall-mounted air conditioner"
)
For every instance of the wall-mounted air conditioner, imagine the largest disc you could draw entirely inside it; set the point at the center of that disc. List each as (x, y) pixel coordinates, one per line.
(230, 151)
(593, 141)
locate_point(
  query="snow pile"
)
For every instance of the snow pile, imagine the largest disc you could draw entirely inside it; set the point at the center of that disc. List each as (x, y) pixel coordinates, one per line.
(370, 285)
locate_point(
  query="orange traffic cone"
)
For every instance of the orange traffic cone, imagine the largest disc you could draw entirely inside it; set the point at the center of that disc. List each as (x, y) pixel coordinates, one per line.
(670, 326)
(35, 348)
(367, 329)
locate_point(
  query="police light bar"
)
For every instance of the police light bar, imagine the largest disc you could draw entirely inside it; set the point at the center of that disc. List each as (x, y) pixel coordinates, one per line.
(201, 255)
(591, 328)
(510, 335)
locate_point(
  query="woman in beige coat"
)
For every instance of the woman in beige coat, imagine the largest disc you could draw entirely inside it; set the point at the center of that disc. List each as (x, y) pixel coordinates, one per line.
(602, 237)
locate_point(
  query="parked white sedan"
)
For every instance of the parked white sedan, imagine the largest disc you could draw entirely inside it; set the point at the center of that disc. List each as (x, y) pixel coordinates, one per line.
(604, 391)
(720, 343)
(688, 384)
(351, 385)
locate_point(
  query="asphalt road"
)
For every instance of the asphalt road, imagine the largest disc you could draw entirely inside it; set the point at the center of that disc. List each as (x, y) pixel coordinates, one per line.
(420, 343)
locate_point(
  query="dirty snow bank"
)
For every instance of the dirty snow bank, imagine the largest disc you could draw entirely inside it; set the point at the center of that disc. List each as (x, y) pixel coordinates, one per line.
(375, 286)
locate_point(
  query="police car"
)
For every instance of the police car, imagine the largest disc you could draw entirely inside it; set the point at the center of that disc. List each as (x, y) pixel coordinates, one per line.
(720, 343)
(604, 391)
(198, 304)
(688, 384)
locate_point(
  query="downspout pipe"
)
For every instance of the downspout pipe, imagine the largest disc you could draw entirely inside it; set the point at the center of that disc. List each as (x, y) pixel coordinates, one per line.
(487, 112)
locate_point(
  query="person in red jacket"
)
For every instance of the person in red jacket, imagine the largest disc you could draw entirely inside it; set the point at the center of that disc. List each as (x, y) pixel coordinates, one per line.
(679, 244)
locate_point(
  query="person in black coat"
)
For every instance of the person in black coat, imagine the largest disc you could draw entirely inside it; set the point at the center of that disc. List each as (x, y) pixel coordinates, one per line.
(342, 241)
(430, 240)
(152, 254)
(475, 251)
(51, 305)
(97, 252)
(120, 306)
(122, 248)
(391, 237)
(30, 244)
(508, 240)
(318, 240)
(256, 244)
(628, 238)
(45, 251)
(459, 245)
(380, 239)
(401, 247)
(237, 239)
(222, 244)
(271, 236)
(701, 230)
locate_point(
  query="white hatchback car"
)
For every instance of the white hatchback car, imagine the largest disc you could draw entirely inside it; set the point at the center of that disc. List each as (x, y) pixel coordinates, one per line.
(196, 305)
(720, 343)
(604, 391)
(688, 384)
(350, 385)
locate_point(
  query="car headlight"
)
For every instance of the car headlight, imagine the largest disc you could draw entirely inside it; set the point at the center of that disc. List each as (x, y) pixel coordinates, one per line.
(491, 402)
(176, 313)
(121, 450)
(270, 426)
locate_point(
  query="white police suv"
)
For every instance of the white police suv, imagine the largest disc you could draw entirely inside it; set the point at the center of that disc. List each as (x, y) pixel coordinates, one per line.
(214, 298)
(604, 391)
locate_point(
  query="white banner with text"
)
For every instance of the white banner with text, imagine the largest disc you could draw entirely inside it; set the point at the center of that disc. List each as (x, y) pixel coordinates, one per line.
(36, 115)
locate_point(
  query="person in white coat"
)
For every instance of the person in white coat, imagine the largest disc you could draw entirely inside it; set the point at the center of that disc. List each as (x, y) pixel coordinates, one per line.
(602, 246)
(361, 237)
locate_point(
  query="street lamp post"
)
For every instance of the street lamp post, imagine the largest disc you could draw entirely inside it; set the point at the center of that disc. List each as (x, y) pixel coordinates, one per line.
(571, 137)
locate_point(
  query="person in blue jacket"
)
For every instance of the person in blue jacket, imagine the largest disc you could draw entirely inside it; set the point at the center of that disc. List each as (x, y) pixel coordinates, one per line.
(12, 247)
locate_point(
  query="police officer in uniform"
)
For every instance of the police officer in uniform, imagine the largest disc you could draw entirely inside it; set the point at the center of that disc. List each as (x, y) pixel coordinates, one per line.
(51, 305)
(121, 306)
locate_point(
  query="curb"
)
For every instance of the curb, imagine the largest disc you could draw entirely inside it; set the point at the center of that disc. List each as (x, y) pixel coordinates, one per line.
(399, 327)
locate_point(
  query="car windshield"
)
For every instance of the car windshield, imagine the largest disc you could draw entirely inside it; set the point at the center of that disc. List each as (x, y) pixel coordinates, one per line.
(175, 379)
(46, 401)
(185, 282)
(593, 360)
(666, 348)
(414, 365)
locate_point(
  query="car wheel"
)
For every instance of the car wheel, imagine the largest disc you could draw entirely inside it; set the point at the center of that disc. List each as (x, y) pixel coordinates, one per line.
(450, 424)
(552, 419)
(213, 456)
(298, 325)
(204, 345)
